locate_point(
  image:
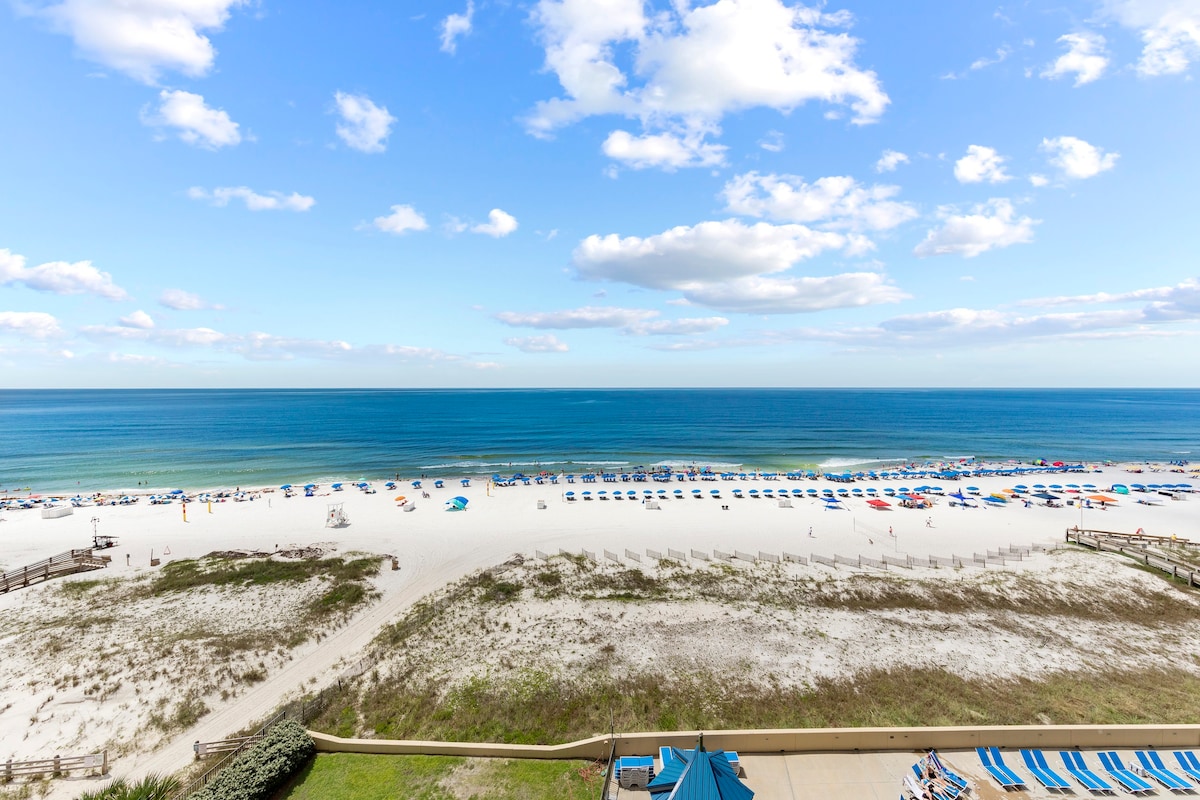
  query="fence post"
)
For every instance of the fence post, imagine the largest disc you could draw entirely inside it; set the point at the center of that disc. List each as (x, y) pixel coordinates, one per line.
(104, 763)
(57, 765)
(8, 771)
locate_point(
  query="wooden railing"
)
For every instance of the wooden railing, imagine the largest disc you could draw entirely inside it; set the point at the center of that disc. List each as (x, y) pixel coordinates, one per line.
(54, 766)
(67, 563)
(1109, 542)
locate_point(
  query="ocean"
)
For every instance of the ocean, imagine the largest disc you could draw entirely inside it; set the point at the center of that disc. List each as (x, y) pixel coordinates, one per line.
(90, 440)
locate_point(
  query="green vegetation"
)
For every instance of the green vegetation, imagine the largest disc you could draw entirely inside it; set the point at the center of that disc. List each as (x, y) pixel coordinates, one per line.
(151, 787)
(536, 708)
(258, 773)
(348, 579)
(347, 776)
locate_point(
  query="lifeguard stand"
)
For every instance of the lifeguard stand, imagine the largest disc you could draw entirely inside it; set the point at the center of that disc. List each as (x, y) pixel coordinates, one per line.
(336, 517)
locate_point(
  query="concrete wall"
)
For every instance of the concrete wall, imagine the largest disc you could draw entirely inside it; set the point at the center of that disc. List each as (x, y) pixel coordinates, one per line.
(1058, 737)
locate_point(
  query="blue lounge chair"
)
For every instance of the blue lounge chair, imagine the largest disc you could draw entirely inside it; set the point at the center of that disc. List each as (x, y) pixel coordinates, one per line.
(1133, 784)
(1079, 770)
(1188, 763)
(994, 764)
(1035, 760)
(954, 789)
(1152, 762)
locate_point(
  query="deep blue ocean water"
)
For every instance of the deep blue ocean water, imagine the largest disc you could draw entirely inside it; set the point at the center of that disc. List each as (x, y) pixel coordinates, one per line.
(79, 440)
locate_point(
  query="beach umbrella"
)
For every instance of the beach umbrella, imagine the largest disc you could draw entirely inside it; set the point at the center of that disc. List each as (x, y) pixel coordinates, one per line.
(177, 491)
(400, 498)
(570, 495)
(310, 486)
(457, 503)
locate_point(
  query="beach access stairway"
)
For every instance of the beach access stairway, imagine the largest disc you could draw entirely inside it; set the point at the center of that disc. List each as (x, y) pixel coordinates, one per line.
(67, 563)
(1129, 545)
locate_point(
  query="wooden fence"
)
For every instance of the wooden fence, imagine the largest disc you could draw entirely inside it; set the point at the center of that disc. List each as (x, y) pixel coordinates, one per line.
(55, 766)
(67, 563)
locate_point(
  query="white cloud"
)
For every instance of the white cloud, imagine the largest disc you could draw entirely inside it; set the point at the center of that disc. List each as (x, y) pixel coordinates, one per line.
(58, 277)
(586, 317)
(1085, 58)
(692, 65)
(1039, 180)
(271, 201)
(633, 321)
(1164, 300)
(30, 324)
(764, 295)
(1076, 158)
(142, 38)
(364, 126)
(454, 26)
(890, 160)
(138, 319)
(193, 120)
(837, 202)
(180, 300)
(772, 142)
(547, 343)
(1170, 32)
(1001, 54)
(993, 224)
(688, 256)
(403, 219)
(666, 150)
(500, 223)
(981, 164)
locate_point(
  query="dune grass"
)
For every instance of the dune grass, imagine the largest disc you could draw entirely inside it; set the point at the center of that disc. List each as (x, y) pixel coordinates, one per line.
(540, 709)
(350, 776)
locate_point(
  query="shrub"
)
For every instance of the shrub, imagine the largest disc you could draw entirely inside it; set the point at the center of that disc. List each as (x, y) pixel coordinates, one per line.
(259, 772)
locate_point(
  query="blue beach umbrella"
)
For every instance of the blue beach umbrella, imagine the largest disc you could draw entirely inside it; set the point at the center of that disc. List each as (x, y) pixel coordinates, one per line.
(457, 503)
(337, 487)
(310, 486)
(285, 486)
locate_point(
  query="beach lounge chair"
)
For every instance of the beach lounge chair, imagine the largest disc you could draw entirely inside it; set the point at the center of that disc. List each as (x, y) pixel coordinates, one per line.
(1133, 784)
(1152, 762)
(952, 790)
(1188, 763)
(1073, 761)
(1035, 761)
(994, 764)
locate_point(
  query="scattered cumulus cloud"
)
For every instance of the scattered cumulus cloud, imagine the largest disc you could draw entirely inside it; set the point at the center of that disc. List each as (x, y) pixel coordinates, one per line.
(633, 321)
(547, 343)
(1169, 29)
(456, 25)
(138, 319)
(668, 151)
(364, 126)
(693, 65)
(1076, 158)
(58, 277)
(993, 224)
(180, 300)
(837, 202)
(404, 218)
(981, 164)
(30, 324)
(142, 39)
(500, 223)
(192, 120)
(271, 201)
(772, 142)
(890, 160)
(1085, 58)
(1001, 53)
(1038, 181)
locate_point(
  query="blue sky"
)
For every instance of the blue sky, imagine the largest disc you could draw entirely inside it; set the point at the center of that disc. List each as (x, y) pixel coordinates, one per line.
(598, 193)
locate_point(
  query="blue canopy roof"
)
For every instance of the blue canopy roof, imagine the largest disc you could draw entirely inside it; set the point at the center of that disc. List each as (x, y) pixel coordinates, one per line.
(698, 775)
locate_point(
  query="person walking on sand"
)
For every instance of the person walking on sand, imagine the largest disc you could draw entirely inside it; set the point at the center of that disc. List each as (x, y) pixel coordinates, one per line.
(890, 532)
(810, 533)
(929, 522)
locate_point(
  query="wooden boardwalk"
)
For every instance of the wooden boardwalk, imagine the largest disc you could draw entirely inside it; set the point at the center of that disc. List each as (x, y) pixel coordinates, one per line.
(1128, 545)
(67, 563)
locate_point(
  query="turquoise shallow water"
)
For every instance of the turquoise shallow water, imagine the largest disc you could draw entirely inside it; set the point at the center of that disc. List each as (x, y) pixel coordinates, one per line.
(91, 440)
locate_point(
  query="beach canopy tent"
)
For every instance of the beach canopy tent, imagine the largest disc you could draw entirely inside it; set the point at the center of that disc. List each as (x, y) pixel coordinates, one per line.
(1099, 498)
(879, 503)
(1044, 496)
(698, 775)
(457, 503)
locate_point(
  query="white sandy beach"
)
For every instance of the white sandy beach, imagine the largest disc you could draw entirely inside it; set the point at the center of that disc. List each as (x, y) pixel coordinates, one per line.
(435, 546)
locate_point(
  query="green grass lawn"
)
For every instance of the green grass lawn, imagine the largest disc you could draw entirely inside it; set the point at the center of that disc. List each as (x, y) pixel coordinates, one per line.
(350, 776)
